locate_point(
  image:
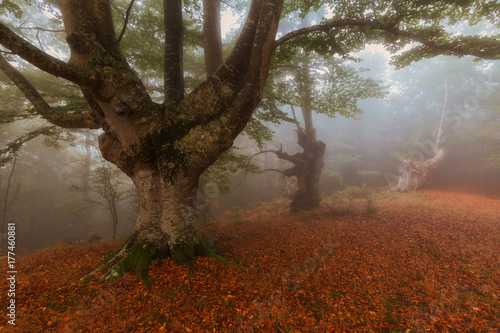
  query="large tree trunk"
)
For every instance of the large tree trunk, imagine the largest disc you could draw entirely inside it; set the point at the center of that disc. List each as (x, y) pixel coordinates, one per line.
(163, 148)
(308, 164)
(166, 225)
(308, 167)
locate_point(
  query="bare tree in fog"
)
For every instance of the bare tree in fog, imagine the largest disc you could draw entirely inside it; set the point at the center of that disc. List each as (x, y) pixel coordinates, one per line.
(9, 199)
(107, 190)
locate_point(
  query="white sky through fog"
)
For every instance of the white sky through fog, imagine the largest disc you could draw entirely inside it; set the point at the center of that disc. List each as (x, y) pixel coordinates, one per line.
(229, 21)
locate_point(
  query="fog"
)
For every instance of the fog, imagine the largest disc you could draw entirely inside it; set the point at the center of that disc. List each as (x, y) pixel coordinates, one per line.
(58, 189)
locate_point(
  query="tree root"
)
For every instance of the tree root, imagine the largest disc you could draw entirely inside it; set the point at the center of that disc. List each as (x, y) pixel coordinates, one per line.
(116, 256)
(137, 256)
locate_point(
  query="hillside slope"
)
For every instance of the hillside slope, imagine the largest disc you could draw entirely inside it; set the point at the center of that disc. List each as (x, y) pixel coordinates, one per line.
(426, 261)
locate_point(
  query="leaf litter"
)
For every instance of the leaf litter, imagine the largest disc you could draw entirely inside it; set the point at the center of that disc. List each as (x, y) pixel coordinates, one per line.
(424, 262)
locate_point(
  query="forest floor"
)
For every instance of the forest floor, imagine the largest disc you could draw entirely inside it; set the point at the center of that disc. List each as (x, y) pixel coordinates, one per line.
(380, 262)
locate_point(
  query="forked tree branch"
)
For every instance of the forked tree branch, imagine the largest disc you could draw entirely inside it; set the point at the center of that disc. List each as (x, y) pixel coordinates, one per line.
(44, 61)
(329, 25)
(299, 129)
(212, 43)
(236, 64)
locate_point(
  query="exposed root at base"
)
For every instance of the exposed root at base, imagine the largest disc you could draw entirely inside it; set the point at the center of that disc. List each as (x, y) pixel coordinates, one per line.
(138, 256)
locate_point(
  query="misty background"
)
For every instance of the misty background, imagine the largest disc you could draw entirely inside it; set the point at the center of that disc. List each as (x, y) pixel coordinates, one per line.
(58, 188)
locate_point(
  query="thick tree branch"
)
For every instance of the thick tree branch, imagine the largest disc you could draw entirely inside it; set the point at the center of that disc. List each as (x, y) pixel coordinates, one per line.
(212, 42)
(299, 129)
(236, 64)
(89, 28)
(282, 155)
(319, 28)
(263, 46)
(41, 106)
(236, 87)
(328, 26)
(255, 75)
(173, 63)
(44, 61)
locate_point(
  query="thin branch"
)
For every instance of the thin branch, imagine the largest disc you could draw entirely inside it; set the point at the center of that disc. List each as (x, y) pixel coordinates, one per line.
(153, 88)
(328, 26)
(230, 5)
(42, 107)
(127, 15)
(44, 61)
(15, 197)
(250, 160)
(295, 118)
(8, 153)
(41, 29)
(276, 170)
(151, 41)
(194, 34)
(303, 67)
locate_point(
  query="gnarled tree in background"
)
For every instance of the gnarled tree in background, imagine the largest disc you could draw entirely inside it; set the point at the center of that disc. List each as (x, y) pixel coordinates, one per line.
(413, 177)
(324, 87)
(165, 147)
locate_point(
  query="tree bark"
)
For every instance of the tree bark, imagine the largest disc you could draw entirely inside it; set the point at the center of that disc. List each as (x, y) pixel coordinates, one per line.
(163, 148)
(308, 165)
(173, 59)
(308, 168)
(212, 43)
